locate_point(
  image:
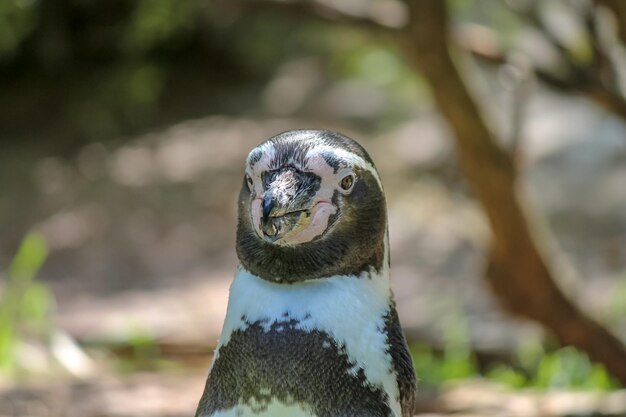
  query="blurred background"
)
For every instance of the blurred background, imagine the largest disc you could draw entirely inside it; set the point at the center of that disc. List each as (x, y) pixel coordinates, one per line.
(497, 127)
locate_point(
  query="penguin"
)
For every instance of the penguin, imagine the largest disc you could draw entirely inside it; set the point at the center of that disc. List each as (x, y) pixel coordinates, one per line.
(311, 328)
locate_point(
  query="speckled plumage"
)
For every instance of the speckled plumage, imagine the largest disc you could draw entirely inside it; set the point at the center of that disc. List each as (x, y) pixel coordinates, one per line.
(311, 327)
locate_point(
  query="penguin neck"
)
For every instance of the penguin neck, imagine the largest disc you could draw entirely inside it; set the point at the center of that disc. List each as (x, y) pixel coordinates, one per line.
(284, 296)
(339, 254)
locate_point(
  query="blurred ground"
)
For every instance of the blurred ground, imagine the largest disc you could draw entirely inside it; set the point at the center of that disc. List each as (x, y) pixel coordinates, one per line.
(177, 396)
(142, 233)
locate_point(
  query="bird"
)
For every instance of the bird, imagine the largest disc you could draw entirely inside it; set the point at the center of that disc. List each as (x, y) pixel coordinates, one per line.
(311, 327)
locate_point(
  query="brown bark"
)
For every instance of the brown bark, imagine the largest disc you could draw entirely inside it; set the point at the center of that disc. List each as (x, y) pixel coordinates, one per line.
(618, 8)
(517, 273)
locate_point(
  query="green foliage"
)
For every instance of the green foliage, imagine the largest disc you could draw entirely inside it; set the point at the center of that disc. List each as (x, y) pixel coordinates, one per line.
(455, 362)
(531, 367)
(155, 21)
(17, 19)
(616, 307)
(433, 369)
(25, 304)
(142, 351)
(377, 65)
(564, 368)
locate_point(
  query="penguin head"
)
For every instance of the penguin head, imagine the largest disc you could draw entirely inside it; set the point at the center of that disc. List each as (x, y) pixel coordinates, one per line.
(311, 206)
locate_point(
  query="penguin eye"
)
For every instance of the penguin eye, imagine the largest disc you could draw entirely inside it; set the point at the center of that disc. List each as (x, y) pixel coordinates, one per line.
(249, 181)
(347, 182)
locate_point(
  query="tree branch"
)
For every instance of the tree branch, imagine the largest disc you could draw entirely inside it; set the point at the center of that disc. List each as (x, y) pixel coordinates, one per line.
(618, 8)
(389, 16)
(473, 40)
(390, 21)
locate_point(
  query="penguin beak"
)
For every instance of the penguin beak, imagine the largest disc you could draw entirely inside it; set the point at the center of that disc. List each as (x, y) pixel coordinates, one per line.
(285, 205)
(271, 225)
(270, 206)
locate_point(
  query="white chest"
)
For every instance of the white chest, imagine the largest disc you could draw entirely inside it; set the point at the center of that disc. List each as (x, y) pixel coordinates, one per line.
(351, 310)
(272, 410)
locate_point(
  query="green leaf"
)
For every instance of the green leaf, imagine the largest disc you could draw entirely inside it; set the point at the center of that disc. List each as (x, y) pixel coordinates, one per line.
(23, 303)
(29, 258)
(36, 303)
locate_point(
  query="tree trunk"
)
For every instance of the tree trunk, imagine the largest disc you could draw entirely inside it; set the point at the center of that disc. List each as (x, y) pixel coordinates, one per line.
(517, 273)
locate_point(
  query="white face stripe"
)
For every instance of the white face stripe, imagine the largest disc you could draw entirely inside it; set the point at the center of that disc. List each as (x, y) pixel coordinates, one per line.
(352, 159)
(351, 310)
(268, 153)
